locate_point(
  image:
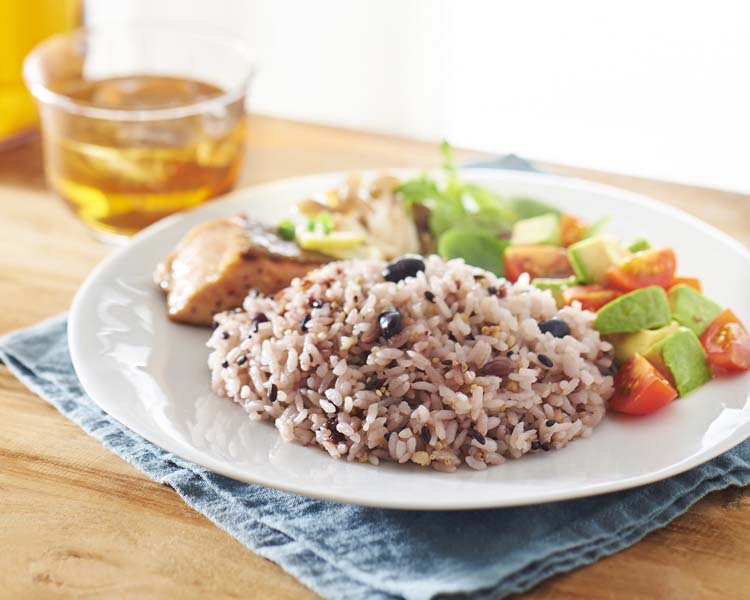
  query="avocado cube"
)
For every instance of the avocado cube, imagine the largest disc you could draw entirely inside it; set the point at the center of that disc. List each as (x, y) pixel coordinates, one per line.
(544, 229)
(591, 257)
(554, 285)
(681, 359)
(645, 308)
(628, 345)
(692, 309)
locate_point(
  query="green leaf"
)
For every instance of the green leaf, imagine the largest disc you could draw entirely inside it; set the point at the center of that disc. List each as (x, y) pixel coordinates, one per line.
(415, 191)
(449, 166)
(476, 247)
(286, 229)
(525, 208)
(596, 227)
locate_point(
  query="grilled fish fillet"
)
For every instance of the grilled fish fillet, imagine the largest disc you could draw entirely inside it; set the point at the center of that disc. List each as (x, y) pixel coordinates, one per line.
(218, 262)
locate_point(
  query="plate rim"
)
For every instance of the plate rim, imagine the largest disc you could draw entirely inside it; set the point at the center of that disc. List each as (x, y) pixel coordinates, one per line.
(77, 352)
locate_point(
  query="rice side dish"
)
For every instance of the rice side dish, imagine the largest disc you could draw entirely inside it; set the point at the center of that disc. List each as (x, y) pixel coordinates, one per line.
(427, 361)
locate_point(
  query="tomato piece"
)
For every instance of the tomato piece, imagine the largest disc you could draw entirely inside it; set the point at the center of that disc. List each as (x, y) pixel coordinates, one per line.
(727, 343)
(591, 297)
(640, 389)
(642, 269)
(572, 229)
(537, 261)
(692, 282)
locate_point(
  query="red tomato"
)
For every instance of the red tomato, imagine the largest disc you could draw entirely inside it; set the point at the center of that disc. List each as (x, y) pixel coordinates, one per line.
(692, 282)
(572, 229)
(537, 261)
(640, 389)
(642, 269)
(591, 297)
(727, 343)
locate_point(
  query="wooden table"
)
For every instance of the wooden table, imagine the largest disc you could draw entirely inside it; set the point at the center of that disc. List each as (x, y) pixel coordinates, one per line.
(76, 521)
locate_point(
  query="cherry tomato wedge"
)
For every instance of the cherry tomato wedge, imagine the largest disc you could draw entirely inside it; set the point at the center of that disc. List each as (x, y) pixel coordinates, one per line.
(572, 229)
(591, 297)
(640, 389)
(727, 343)
(537, 261)
(692, 282)
(642, 269)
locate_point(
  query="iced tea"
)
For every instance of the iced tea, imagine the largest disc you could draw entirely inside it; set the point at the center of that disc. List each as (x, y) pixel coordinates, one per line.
(121, 175)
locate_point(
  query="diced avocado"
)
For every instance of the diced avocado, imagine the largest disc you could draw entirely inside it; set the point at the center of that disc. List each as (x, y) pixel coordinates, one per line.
(544, 229)
(681, 359)
(556, 286)
(592, 257)
(639, 245)
(645, 308)
(692, 309)
(628, 344)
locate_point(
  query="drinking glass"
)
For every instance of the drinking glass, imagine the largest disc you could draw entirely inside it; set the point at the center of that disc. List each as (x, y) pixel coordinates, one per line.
(139, 120)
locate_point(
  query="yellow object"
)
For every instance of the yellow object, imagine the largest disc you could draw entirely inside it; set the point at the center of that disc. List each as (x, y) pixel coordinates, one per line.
(336, 240)
(24, 23)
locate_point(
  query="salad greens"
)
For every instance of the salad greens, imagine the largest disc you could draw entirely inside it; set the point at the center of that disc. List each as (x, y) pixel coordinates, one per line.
(480, 249)
(467, 212)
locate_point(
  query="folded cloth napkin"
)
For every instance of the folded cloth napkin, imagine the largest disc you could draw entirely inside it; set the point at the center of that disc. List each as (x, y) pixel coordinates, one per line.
(345, 551)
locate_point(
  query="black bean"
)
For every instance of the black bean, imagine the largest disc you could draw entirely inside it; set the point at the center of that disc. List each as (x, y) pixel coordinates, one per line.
(315, 303)
(557, 327)
(550, 422)
(446, 363)
(429, 296)
(273, 393)
(390, 322)
(477, 436)
(535, 445)
(225, 364)
(499, 367)
(406, 266)
(426, 435)
(546, 446)
(305, 321)
(241, 360)
(257, 320)
(336, 435)
(224, 335)
(545, 360)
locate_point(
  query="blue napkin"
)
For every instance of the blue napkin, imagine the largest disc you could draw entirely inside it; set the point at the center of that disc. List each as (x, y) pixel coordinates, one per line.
(350, 552)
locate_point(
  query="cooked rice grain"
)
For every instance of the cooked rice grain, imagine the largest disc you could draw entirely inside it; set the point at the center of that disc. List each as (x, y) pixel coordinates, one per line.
(313, 360)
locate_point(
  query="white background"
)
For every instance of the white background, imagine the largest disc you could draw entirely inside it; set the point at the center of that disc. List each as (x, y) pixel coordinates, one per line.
(653, 88)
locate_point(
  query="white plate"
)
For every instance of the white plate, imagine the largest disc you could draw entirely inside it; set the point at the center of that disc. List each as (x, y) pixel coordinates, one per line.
(151, 374)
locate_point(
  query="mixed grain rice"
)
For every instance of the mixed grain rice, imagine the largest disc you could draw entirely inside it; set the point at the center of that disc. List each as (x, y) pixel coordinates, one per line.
(313, 360)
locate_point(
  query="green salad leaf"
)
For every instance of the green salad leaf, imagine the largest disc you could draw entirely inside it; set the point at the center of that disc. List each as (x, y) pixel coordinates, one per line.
(596, 227)
(526, 208)
(479, 249)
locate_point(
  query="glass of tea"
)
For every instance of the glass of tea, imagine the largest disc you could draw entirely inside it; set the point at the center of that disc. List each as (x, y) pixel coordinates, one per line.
(139, 120)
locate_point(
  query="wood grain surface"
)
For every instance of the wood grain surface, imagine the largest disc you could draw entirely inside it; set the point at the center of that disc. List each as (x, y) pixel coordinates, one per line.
(78, 522)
